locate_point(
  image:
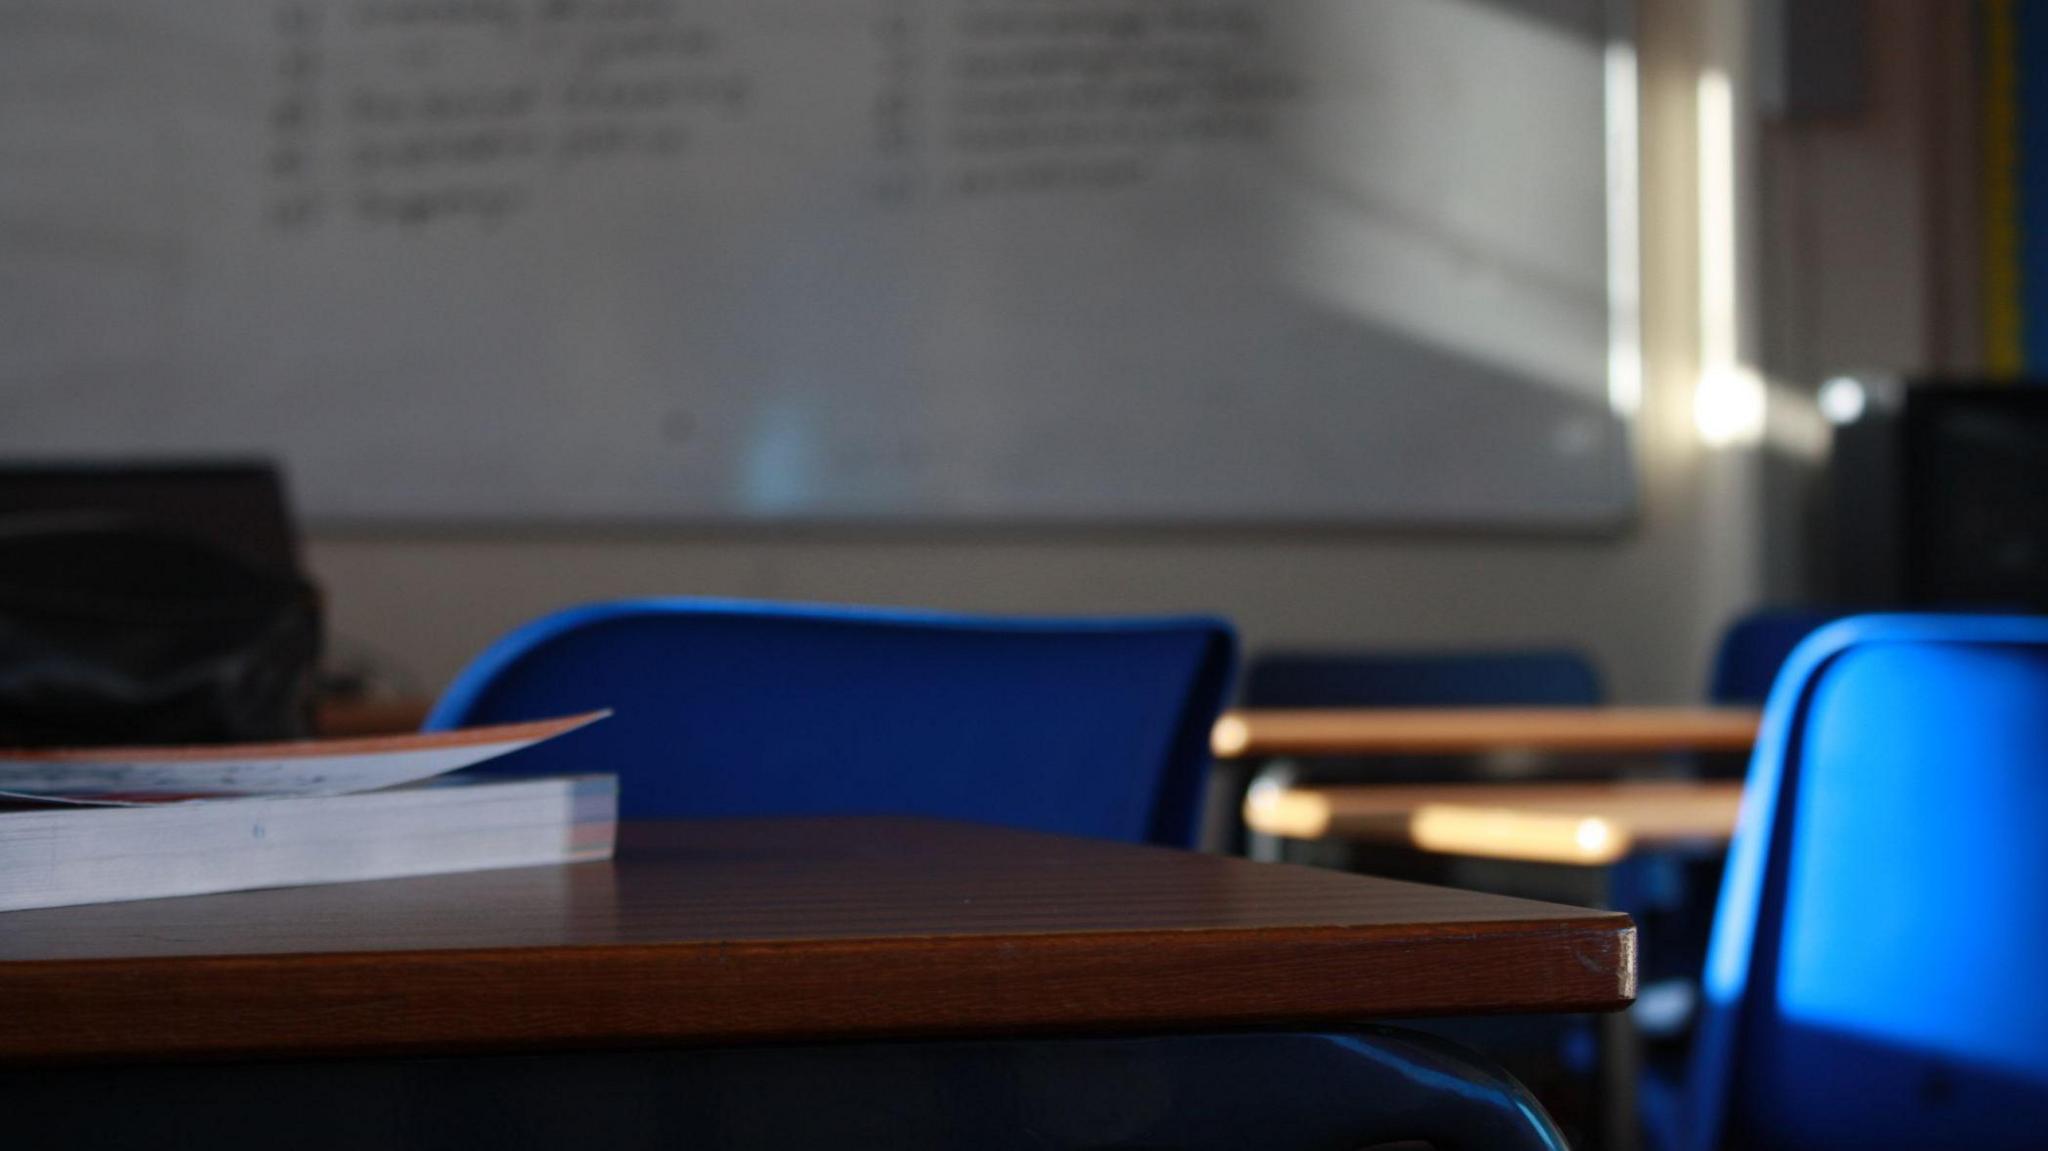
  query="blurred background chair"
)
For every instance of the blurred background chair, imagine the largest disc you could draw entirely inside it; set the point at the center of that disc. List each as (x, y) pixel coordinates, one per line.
(1089, 727)
(1534, 678)
(1095, 727)
(1874, 977)
(1755, 647)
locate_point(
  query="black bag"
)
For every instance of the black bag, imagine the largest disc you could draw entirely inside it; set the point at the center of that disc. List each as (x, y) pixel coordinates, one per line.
(114, 633)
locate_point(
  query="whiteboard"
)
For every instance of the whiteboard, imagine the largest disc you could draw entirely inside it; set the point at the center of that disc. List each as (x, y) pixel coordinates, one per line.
(759, 260)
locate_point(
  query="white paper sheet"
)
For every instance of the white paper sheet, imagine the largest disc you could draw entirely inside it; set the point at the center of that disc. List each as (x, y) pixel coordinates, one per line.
(142, 775)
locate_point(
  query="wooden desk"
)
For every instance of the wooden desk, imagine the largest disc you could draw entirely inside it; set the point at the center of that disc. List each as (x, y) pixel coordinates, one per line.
(1261, 733)
(736, 931)
(1590, 824)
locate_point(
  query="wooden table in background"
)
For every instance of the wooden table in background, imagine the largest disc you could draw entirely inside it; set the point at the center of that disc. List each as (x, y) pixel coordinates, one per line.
(1584, 823)
(785, 930)
(1265, 733)
(1595, 825)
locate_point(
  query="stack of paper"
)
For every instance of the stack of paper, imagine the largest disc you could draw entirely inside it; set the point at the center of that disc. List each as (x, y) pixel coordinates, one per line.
(102, 825)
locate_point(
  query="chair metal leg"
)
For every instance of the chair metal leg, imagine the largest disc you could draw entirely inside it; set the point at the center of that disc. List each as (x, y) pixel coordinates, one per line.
(1463, 1102)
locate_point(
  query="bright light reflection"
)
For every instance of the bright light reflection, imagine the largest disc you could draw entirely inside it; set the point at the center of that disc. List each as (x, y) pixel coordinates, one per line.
(1843, 400)
(1728, 407)
(1624, 266)
(1728, 401)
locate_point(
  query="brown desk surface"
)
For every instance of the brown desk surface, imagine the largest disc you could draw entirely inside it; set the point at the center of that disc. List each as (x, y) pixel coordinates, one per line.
(1589, 823)
(731, 931)
(1252, 733)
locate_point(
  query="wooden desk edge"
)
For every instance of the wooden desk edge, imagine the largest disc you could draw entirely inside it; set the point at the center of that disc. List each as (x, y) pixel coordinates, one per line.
(501, 1001)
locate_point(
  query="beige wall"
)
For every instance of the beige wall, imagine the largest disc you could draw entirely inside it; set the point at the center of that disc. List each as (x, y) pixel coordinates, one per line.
(1646, 603)
(1870, 222)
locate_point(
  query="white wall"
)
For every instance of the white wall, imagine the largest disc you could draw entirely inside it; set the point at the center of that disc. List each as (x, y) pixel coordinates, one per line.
(1646, 603)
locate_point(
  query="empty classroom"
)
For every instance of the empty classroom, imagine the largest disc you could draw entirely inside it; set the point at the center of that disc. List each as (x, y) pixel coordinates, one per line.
(1463, 574)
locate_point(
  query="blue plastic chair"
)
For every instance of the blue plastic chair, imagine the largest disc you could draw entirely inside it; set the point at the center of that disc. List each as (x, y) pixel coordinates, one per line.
(1755, 647)
(1092, 727)
(1752, 651)
(1875, 977)
(1088, 727)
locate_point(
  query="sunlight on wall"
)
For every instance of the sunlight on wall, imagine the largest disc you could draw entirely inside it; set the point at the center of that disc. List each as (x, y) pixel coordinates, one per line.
(1624, 225)
(1728, 402)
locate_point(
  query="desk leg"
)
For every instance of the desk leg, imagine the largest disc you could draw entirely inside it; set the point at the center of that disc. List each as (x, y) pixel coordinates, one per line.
(1223, 830)
(1619, 1061)
(1612, 1120)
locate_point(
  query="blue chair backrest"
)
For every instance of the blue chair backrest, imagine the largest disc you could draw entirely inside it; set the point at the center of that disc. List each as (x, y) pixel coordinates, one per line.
(1091, 727)
(1537, 678)
(1755, 647)
(1876, 973)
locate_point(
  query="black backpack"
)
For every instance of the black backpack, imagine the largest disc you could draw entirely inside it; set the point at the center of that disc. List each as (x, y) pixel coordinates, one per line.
(112, 632)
